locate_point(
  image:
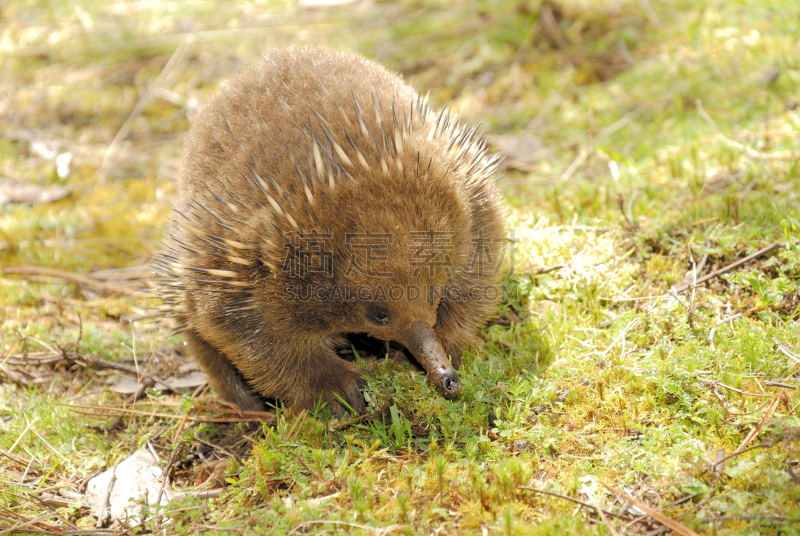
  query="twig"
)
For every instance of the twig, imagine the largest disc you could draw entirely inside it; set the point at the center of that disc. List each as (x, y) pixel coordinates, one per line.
(81, 280)
(547, 269)
(702, 221)
(104, 364)
(219, 409)
(740, 452)
(19, 459)
(605, 522)
(680, 528)
(266, 417)
(717, 467)
(205, 494)
(568, 498)
(729, 319)
(55, 512)
(164, 479)
(712, 382)
(772, 247)
(217, 447)
(19, 377)
(712, 386)
(180, 427)
(778, 384)
(101, 519)
(793, 475)
(713, 330)
(736, 518)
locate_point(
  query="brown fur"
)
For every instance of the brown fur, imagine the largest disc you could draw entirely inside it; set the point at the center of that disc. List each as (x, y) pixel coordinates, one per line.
(253, 337)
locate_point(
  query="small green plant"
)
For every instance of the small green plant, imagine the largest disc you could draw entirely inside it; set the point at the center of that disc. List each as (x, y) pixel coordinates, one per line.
(396, 435)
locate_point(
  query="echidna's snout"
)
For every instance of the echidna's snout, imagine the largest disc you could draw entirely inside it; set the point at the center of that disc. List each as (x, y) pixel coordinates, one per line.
(422, 342)
(449, 382)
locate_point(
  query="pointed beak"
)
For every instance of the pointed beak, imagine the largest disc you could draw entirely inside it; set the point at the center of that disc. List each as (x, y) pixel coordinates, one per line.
(422, 342)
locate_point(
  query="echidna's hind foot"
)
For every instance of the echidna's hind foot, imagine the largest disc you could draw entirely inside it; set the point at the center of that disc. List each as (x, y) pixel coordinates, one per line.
(223, 377)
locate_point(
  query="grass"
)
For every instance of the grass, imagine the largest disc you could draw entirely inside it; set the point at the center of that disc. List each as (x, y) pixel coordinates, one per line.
(671, 132)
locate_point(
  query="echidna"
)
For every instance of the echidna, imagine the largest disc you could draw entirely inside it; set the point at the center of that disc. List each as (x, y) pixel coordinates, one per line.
(320, 197)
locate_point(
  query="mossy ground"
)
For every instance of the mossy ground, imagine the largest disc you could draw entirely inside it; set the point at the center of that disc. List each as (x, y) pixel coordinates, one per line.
(671, 135)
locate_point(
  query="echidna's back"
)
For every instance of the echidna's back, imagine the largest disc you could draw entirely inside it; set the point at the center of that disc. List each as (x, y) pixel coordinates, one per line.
(276, 105)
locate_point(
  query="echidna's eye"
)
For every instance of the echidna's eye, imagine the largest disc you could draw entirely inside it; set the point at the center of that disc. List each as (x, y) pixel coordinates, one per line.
(380, 316)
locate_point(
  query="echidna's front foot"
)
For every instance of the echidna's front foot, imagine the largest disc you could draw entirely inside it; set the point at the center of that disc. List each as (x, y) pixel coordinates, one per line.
(338, 384)
(346, 397)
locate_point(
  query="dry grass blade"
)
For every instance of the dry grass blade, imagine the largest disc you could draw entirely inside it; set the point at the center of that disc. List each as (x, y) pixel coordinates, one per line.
(215, 409)
(680, 528)
(10, 352)
(296, 426)
(181, 424)
(174, 61)
(20, 526)
(236, 35)
(344, 424)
